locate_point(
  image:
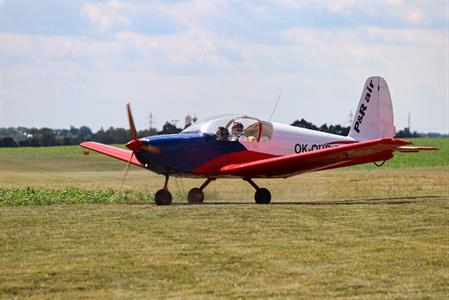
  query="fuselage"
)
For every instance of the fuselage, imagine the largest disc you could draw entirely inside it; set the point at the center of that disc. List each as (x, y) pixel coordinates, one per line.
(198, 152)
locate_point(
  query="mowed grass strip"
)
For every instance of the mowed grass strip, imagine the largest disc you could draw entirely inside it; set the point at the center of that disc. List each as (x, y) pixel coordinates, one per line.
(51, 171)
(375, 250)
(333, 185)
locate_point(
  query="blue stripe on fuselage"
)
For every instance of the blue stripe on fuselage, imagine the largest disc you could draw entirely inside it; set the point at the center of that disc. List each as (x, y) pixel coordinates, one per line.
(182, 153)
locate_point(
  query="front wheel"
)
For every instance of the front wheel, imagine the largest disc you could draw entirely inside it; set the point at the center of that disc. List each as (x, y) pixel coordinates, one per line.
(163, 197)
(262, 196)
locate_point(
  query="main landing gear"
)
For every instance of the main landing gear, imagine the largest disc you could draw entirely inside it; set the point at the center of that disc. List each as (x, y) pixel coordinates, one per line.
(262, 195)
(196, 195)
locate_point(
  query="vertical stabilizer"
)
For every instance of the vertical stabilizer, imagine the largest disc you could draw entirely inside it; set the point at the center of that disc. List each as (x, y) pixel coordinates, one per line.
(374, 115)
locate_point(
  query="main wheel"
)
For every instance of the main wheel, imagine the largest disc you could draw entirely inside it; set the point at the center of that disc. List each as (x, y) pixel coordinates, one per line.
(195, 196)
(163, 197)
(262, 196)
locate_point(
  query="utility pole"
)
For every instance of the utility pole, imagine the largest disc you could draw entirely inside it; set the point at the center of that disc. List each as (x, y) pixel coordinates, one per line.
(350, 118)
(150, 121)
(409, 121)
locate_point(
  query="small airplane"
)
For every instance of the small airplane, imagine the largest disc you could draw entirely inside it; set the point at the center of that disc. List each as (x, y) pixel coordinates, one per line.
(240, 146)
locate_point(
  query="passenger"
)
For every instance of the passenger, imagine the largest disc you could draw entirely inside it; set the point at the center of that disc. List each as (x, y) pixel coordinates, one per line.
(222, 134)
(236, 131)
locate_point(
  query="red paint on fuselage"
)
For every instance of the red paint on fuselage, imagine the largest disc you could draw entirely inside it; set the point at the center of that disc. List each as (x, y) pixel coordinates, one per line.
(212, 167)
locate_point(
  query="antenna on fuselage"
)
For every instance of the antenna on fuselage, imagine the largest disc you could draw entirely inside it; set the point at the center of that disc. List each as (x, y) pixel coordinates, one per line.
(275, 106)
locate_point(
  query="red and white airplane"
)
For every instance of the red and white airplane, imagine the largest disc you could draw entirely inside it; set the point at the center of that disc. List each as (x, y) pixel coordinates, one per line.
(245, 147)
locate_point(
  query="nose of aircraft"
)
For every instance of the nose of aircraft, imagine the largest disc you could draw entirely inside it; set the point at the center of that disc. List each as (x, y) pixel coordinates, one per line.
(134, 145)
(138, 145)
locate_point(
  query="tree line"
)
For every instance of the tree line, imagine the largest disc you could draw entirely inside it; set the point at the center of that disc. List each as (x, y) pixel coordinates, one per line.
(43, 137)
(344, 130)
(34, 137)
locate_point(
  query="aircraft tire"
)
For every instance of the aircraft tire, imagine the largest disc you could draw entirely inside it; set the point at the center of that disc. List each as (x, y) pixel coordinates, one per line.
(195, 196)
(163, 197)
(262, 196)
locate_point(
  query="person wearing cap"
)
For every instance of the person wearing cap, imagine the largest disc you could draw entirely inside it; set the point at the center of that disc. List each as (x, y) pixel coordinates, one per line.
(222, 134)
(236, 131)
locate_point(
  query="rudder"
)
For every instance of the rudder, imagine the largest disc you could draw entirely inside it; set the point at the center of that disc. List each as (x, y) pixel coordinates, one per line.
(374, 116)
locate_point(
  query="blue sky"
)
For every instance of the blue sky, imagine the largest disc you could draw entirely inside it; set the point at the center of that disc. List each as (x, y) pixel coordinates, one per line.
(79, 63)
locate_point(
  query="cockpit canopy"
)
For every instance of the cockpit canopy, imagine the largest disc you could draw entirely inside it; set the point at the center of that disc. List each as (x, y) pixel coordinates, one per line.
(239, 127)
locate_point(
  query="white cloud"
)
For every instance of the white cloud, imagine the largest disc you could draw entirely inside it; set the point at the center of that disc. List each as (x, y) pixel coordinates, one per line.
(192, 13)
(415, 15)
(410, 13)
(118, 15)
(298, 48)
(417, 36)
(107, 15)
(45, 50)
(339, 7)
(15, 44)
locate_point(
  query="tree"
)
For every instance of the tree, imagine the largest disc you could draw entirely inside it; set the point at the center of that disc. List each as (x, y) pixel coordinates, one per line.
(405, 133)
(74, 131)
(334, 129)
(33, 136)
(304, 124)
(118, 135)
(8, 142)
(147, 132)
(101, 137)
(24, 143)
(169, 128)
(85, 132)
(47, 137)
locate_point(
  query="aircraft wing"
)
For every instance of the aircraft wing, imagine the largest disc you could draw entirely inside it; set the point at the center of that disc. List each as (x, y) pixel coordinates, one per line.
(341, 156)
(112, 151)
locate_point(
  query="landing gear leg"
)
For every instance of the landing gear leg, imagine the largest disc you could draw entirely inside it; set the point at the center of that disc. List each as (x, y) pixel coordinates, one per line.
(262, 195)
(196, 195)
(163, 196)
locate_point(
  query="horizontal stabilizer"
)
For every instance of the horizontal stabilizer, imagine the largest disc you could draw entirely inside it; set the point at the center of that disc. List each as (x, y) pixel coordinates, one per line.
(415, 149)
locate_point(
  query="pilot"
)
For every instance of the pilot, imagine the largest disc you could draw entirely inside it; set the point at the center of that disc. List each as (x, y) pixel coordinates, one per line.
(222, 134)
(236, 131)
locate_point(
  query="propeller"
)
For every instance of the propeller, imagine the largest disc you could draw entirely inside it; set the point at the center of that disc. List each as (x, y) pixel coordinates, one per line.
(135, 145)
(132, 126)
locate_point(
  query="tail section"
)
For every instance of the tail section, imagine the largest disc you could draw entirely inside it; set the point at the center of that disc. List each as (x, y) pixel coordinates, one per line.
(374, 116)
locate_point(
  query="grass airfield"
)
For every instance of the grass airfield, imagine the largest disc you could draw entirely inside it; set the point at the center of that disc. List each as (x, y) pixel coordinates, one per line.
(362, 232)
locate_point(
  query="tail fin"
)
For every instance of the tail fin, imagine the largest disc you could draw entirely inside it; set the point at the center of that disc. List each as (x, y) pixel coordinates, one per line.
(374, 116)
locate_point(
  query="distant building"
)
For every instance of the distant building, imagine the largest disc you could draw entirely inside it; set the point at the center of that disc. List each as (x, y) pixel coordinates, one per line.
(189, 120)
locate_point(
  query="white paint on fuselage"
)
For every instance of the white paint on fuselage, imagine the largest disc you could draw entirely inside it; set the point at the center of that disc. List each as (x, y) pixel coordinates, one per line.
(288, 140)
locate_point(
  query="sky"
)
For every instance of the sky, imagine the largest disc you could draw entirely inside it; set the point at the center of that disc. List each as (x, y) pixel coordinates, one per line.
(77, 63)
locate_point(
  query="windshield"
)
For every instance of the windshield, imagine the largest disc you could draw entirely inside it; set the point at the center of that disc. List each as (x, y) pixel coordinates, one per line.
(234, 127)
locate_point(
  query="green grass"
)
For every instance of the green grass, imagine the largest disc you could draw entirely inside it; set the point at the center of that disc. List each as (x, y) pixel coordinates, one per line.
(377, 250)
(417, 160)
(357, 232)
(31, 196)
